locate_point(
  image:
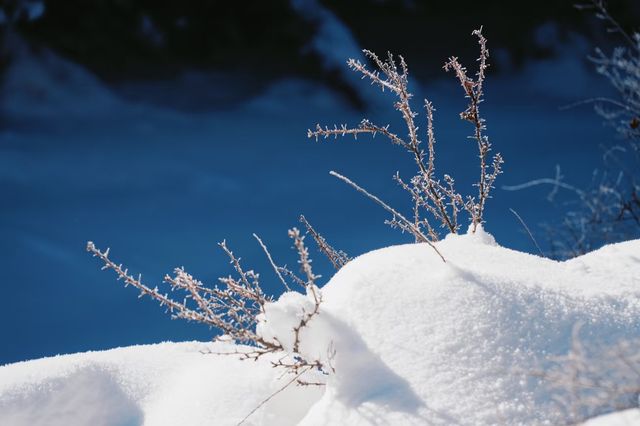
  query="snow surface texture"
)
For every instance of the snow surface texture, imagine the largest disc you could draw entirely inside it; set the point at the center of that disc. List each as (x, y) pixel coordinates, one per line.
(163, 384)
(413, 341)
(622, 418)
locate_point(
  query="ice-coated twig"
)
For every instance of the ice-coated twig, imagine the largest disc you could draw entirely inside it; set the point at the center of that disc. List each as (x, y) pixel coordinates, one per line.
(338, 258)
(365, 127)
(474, 92)
(276, 269)
(232, 309)
(177, 309)
(404, 223)
(303, 253)
(236, 308)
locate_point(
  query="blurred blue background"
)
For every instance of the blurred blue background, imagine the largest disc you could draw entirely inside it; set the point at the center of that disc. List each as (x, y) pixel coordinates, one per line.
(161, 128)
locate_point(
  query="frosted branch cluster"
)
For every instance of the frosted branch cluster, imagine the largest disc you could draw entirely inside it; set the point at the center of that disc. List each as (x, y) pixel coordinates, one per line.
(608, 209)
(238, 306)
(438, 198)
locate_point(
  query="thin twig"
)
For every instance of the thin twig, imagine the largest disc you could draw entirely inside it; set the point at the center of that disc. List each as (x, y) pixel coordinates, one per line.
(406, 222)
(289, 383)
(526, 228)
(273, 265)
(337, 258)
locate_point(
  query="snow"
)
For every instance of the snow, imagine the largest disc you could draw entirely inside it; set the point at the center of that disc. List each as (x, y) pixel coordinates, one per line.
(162, 384)
(282, 317)
(621, 418)
(407, 340)
(485, 320)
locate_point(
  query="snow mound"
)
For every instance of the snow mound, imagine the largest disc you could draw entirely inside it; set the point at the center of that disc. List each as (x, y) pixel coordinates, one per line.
(408, 340)
(465, 337)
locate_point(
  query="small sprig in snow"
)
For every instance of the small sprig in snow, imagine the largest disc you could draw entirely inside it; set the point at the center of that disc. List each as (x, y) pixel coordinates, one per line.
(429, 194)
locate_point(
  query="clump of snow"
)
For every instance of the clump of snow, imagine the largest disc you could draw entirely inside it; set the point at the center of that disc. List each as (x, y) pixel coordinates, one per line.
(281, 322)
(479, 236)
(280, 318)
(406, 338)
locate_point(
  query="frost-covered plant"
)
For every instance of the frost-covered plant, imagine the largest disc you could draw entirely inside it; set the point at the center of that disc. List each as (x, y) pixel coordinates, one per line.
(239, 307)
(431, 195)
(605, 212)
(622, 69)
(608, 210)
(244, 314)
(591, 380)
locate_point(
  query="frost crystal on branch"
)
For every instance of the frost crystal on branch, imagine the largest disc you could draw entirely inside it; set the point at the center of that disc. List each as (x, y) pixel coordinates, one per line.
(428, 193)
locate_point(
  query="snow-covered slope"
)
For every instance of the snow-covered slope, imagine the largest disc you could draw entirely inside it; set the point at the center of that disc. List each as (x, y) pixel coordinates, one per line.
(413, 341)
(163, 384)
(460, 341)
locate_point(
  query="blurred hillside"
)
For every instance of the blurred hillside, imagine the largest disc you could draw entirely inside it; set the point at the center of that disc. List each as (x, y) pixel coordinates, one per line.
(257, 41)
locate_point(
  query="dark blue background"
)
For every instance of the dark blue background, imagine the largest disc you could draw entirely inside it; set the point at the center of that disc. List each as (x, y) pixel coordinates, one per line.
(161, 186)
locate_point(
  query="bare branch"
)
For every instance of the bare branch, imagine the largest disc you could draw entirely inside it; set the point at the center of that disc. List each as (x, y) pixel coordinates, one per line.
(365, 126)
(404, 222)
(276, 269)
(303, 253)
(595, 378)
(526, 228)
(427, 193)
(474, 92)
(267, 399)
(338, 258)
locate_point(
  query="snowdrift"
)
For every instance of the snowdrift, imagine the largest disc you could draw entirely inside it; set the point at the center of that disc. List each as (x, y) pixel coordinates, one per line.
(413, 341)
